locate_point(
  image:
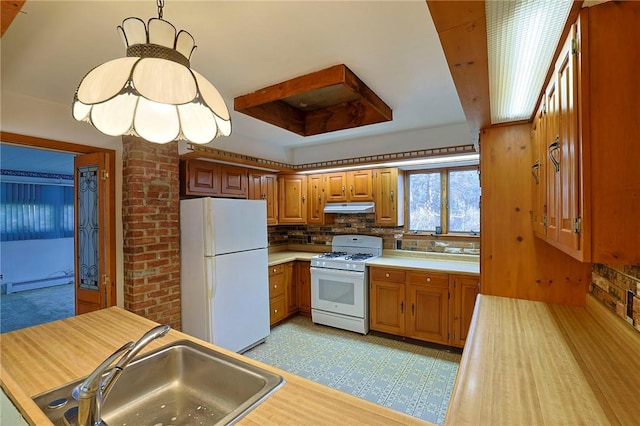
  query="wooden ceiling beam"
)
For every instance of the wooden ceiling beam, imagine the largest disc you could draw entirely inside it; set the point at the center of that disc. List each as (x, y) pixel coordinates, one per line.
(9, 9)
(462, 28)
(320, 102)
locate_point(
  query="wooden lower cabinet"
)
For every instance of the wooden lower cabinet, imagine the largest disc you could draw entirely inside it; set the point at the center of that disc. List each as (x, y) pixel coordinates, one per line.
(428, 316)
(291, 293)
(465, 292)
(303, 278)
(430, 306)
(387, 300)
(277, 289)
(286, 290)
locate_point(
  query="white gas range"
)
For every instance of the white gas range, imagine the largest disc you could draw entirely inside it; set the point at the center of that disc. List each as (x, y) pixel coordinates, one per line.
(339, 282)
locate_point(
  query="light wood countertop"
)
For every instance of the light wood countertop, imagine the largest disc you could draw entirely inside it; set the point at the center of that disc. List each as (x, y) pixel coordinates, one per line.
(531, 363)
(289, 256)
(36, 359)
(458, 264)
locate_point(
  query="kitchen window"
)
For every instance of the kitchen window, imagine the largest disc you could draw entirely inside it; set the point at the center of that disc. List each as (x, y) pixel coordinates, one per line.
(443, 201)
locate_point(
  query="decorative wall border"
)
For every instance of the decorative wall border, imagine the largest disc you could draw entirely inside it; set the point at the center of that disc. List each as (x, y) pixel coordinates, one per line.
(222, 155)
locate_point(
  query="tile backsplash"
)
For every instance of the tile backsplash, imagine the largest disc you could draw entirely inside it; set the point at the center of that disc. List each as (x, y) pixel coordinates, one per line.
(364, 224)
(610, 285)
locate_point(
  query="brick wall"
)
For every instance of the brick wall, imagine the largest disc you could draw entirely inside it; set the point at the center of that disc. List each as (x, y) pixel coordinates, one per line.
(610, 284)
(150, 216)
(364, 224)
(357, 224)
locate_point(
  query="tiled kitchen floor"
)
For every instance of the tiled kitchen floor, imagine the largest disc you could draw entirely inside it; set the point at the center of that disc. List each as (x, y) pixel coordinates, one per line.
(413, 379)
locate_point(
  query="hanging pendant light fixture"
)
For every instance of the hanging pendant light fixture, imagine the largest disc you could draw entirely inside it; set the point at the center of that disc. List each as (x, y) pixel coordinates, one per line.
(152, 93)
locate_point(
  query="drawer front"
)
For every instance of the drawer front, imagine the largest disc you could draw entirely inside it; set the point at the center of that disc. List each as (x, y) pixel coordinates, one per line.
(275, 270)
(429, 278)
(389, 275)
(276, 286)
(277, 310)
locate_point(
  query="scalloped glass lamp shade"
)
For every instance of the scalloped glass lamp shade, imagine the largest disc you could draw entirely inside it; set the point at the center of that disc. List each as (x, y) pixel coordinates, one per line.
(152, 93)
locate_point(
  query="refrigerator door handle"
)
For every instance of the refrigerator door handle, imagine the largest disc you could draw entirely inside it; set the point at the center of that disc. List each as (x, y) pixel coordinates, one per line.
(211, 288)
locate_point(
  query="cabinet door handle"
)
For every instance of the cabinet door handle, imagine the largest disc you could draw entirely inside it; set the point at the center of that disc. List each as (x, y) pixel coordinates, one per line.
(351, 189)
(553, 149)
(392, 194)
(535, 172)
(428, 279)
(402, 307)
(386, 275)
(343, 189)
(413, 308)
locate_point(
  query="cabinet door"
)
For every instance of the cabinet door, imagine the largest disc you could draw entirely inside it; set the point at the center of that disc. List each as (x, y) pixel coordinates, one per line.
(569, 155)
(387, 304)
(292, 199)
(316, 200)
(428, 310)
(387, 307)
(200, 178)
(387, 185)
(360, 185)
(303, 274)
(233, 182)
(270, 191)
(538, 172)
(552, 152)
(465, 292)
(336, 187)
(291, 293)
(254, 188)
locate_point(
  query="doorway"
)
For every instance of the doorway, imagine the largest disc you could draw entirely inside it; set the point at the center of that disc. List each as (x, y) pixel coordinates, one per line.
(55, 234)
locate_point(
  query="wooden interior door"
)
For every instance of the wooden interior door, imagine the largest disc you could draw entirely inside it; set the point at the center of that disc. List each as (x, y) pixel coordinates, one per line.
(94, 288)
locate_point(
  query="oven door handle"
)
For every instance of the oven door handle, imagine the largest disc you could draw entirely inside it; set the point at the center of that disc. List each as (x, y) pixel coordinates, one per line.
(338, 272)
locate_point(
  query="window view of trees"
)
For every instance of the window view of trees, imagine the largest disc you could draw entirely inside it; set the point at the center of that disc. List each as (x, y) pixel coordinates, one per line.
(425, 201)
(464, 201)
(428, 199)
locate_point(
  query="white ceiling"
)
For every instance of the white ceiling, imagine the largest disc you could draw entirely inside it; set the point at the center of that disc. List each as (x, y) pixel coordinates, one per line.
(243, 46)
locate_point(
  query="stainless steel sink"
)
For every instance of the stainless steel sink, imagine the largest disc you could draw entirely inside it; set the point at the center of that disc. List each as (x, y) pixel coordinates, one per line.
(182, 383)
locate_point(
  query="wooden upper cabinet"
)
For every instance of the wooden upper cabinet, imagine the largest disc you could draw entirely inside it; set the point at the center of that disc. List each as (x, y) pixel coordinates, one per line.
(206, 178)
(233, 181)
(593, 198)
(199, 178)
(335, 185)
(538, 172)
(264, 186)
(388, 190)
(292, 199)
(355, 185)
(360, 185)
(570, 211)
(316, 199)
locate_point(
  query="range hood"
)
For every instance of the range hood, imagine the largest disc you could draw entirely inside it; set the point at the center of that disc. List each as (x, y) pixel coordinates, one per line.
(357, 207)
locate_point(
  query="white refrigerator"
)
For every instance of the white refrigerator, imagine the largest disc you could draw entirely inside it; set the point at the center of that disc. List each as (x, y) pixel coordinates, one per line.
(224, 274)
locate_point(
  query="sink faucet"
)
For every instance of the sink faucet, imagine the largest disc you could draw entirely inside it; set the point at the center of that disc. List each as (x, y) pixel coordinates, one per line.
(92, 392)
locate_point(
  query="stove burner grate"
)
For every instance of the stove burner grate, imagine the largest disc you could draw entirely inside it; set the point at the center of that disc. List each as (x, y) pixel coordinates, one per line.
(333, 254)
(359, 256)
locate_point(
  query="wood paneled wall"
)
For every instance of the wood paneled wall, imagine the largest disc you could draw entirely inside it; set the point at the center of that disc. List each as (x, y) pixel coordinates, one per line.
(514, 263)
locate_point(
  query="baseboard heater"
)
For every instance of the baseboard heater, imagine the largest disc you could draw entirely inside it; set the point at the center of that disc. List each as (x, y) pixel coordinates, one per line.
(14, 287)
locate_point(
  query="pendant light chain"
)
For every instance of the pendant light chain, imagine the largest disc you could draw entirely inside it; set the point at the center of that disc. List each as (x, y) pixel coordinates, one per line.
(160, 6)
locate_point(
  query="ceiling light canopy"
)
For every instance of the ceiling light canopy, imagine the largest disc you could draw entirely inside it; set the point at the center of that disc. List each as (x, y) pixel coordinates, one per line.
(522, 36)
(152, 93)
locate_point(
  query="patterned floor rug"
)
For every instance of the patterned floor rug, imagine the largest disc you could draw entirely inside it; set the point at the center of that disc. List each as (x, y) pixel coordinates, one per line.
(413, 379)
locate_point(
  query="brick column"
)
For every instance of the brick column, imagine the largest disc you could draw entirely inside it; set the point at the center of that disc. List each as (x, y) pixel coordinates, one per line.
(150, 217)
